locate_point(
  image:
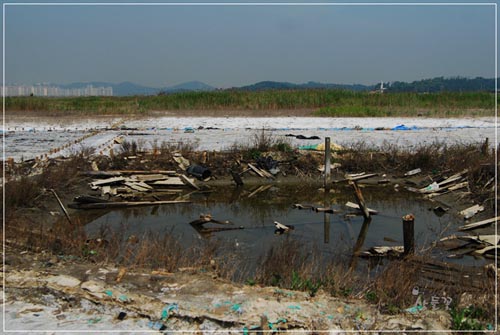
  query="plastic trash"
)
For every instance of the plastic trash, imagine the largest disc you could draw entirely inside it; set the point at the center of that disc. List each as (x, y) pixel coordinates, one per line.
(94, 321)
(200, 172)
(166, 311)
(414, 309)
(237, 308)
(403, 127)
(123, 298)
(121, 316)
(267, 163)
(432, 187)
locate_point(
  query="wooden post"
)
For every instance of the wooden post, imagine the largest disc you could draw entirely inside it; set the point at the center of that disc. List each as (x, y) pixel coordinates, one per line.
(409, 234)
(359, 243)
(360, 200)
(327, 163)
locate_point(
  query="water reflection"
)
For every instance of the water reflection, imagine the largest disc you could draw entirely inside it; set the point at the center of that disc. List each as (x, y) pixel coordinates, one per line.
(334, 235)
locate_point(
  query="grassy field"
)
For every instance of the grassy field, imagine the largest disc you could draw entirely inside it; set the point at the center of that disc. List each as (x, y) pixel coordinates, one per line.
(318, 102)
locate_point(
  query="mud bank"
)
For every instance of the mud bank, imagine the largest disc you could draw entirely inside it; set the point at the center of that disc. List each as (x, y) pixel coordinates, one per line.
(51, 293)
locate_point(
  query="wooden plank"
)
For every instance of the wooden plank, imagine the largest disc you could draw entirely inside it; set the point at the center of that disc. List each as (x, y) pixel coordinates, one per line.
(260, 189)
(101, 174)
(471, 211)
(412, 172)
(486, 249)
(360, 177)
(189, 182)
(113, 204)
(360, 200)
(62, 206)
(175, 181)
(356, 206)
(453, 178)
(138, 186)
(149, 172)
(107, 181)
(458, 186)
(149, 177)
(256, 170)
(479, 224)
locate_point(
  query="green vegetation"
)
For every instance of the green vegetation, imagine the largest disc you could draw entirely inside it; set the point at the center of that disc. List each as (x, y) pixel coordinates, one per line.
(468, 318)
(325, 102)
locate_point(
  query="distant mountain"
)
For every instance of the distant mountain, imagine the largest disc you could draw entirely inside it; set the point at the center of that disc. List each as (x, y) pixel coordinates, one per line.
(189, 86)
(438, 84)
(276, 85)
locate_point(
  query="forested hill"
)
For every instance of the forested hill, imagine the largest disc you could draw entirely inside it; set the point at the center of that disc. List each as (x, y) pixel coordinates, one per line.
(441, 84)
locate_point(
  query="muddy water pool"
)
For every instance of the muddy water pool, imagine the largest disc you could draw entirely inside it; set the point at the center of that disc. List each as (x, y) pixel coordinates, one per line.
(333, 235)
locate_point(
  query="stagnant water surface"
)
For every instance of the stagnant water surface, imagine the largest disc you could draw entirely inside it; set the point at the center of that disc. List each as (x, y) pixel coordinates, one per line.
(334, 235)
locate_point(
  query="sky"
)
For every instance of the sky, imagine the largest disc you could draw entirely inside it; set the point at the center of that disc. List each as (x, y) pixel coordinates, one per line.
(226, 46)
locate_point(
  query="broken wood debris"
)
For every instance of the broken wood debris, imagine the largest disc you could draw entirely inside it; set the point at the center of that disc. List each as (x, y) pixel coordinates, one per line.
(471, 211)
(300, 206)
(479, 224)
(122, 204)
(138, 186)
(113, 180)
(412, 172)
(260, 189)
(360, 200)
(382, 251)
(356, 206)
(199, 223)
(325, 210)
(482, 245)
(260, 172)
(189, 182)
(359, 176)
(438, 188)
(282, 228)
(61, 205)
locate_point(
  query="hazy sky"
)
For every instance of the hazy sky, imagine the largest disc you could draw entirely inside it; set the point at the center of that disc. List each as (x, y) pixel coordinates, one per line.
(228, 46)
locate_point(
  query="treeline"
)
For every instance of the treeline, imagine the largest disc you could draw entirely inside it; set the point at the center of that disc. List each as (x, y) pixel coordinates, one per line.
(441, 84)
